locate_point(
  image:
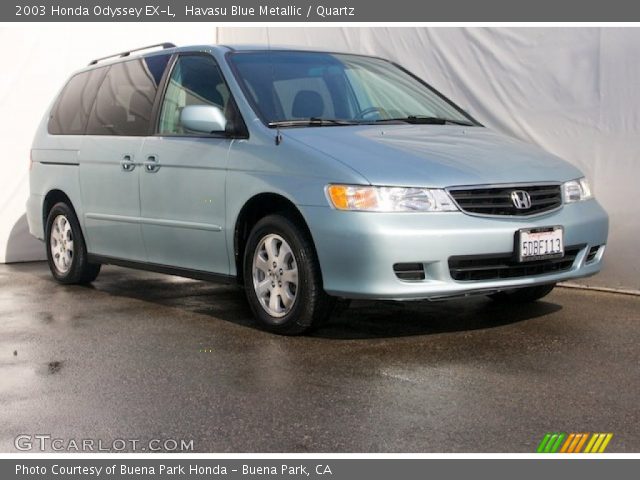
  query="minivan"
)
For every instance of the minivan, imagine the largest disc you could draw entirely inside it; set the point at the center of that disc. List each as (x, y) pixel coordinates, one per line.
(307, 177)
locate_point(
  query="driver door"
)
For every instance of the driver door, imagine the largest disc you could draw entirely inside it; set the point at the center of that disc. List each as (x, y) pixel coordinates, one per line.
(182, 184)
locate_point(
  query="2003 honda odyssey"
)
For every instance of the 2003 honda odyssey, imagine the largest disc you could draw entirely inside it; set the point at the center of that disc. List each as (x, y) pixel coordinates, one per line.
(306, 177)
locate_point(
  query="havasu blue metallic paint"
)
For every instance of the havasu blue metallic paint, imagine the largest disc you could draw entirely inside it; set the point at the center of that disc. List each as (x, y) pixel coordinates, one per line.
(295, 163)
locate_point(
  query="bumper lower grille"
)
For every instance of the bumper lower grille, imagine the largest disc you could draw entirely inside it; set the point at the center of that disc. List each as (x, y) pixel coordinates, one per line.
(409, 271)
(498, 201)
(593, 251)
(493, 267)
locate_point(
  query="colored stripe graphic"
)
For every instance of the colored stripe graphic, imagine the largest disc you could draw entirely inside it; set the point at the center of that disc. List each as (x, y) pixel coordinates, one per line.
(577, 437)
(581, 443)
(606, 442)
(591, 443)
(543, 443)
(576, 443)
(551, 442)
(556, 446)
(557, 442)
(598, 443)
(565, 447)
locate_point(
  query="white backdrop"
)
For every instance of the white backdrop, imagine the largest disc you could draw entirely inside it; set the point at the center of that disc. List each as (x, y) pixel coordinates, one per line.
(573, 91)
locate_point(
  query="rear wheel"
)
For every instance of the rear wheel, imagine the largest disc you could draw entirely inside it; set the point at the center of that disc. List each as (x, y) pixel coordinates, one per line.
(66, 249)
(282, 277)
(523, 295)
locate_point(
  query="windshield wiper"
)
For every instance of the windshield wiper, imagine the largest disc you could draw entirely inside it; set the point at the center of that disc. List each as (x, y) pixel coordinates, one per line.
(424, 120)
(322, 122)
(311, 122)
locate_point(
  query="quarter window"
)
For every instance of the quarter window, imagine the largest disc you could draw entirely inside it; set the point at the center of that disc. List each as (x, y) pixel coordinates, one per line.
(195, 80)
(70, 114)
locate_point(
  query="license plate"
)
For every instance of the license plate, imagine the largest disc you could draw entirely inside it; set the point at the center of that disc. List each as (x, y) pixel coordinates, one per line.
(540, 243)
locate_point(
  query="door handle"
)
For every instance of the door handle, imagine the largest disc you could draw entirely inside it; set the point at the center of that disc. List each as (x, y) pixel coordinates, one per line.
(151, 165)
(127, 163)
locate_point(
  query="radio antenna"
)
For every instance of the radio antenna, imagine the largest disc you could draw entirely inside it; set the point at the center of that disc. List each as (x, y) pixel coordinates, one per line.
(273, 84)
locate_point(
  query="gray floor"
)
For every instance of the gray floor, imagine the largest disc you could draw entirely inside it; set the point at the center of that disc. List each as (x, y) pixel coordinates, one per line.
(142, 356)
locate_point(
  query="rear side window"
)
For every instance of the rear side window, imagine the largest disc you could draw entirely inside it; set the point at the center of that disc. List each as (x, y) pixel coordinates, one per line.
(70, 114)
(124, 103)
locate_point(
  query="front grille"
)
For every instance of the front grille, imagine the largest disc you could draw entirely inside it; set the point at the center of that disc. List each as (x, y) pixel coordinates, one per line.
(493, 267)
(497, 200)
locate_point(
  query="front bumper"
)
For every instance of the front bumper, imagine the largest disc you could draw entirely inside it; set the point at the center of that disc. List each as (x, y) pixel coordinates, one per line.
(357, 250)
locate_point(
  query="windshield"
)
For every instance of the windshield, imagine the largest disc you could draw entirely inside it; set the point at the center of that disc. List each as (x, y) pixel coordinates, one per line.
(288, 88)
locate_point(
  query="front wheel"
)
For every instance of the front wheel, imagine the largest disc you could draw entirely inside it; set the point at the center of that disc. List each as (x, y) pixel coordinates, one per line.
(66, 248)
(282, 277)
(523, 295)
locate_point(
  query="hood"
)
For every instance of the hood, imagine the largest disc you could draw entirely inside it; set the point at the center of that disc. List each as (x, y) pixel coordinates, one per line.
(434, 155)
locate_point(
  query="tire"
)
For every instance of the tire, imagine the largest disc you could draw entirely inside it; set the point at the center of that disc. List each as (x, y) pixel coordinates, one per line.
(523, 295)
(66, 248)
(282, 277)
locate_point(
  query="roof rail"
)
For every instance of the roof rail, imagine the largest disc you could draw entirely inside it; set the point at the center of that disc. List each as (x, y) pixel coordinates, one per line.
(129, 52)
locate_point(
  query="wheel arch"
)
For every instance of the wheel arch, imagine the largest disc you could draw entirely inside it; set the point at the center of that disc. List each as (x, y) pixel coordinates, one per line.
(255, 208)
(51, 198)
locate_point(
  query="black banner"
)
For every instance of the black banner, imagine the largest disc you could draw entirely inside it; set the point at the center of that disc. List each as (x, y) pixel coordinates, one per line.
(319, 469)
(324, 11)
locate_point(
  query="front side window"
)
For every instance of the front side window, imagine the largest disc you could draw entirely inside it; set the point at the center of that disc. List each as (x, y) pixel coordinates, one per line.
(195, 80)
(124, 103)
(289, 86)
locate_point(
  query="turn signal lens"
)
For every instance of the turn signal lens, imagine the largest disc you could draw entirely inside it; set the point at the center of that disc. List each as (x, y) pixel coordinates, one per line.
(338, 196)
(348, 197)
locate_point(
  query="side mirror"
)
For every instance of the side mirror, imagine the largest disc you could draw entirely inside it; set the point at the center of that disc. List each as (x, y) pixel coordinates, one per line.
(203, 118)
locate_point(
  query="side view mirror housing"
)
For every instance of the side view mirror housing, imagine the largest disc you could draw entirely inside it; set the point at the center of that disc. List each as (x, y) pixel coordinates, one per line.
(203, 119)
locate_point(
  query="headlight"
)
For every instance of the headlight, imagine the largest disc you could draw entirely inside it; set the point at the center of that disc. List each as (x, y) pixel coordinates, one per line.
(576, 190)
(389, 199)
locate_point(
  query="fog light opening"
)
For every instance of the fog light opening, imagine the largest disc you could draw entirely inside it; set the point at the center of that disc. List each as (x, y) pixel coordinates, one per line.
(592, 255)
(409, 272)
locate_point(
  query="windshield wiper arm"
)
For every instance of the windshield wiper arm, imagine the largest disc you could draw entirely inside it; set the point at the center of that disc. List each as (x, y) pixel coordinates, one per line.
(425, 120)
(312, 122)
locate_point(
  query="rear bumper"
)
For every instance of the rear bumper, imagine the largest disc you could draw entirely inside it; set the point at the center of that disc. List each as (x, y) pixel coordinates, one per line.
(34, 215)
(357, 250)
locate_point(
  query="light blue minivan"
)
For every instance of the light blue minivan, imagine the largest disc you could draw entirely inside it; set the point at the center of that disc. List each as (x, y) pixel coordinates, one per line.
(307, 177)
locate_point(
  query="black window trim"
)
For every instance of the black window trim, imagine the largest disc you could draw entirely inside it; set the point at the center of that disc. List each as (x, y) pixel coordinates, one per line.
(241, 131)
